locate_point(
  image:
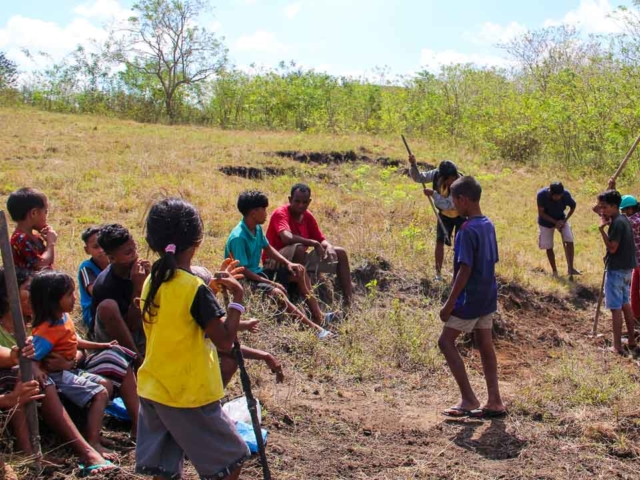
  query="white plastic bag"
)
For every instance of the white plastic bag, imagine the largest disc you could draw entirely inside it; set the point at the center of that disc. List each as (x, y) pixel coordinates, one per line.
(238, 410)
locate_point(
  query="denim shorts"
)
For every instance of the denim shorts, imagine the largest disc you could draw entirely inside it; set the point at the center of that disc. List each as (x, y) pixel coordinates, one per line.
(617, 286)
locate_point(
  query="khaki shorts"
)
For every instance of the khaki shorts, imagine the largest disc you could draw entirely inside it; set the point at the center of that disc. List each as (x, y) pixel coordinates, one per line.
(469, 325)
(545, 239)
(312, 263)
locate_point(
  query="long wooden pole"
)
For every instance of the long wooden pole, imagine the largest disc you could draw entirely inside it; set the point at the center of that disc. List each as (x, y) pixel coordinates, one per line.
(626, 158)
(26, 371)
(433, 206)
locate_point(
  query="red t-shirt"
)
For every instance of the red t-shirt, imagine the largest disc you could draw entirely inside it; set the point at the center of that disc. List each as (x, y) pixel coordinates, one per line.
(27, 252)
(282, 220)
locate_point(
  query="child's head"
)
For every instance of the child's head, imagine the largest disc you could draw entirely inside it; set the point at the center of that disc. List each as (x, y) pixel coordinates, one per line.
(30, 205)
(628, 205)
(557, 191)
(52, 294)
(253, 204)
(118, 244)
(447, 173)
(24, 284)
(173, 228)
(466, 193)
(609, 203)
(91, 245)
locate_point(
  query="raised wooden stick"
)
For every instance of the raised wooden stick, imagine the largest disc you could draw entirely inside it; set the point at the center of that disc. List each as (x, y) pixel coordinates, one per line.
(26, 371)
(626, 158)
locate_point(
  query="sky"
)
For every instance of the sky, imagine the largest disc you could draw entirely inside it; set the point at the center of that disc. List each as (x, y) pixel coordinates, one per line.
(340, 37)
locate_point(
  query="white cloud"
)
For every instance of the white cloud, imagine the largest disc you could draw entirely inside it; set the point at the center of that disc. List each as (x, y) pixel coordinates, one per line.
(38, 35)
(261, 41)
(493, 33)
(102, 10)
(292, 9)
(433, 60)
(591, 16)
(215, 26)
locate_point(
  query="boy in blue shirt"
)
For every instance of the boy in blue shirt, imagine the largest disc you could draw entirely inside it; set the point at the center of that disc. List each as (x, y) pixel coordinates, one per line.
(89, 271)
(472, 302)
(552, 202)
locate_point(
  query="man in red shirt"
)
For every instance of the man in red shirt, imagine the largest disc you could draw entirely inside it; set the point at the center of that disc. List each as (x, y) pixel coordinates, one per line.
(293, 229)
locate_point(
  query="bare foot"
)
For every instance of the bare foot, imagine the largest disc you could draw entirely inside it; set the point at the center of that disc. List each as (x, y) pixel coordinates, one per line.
(105, 452)
(7, 473)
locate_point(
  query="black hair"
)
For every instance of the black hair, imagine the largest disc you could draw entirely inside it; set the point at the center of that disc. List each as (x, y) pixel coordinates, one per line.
(23, 200)
(22, 275)
(88, 233)
(447, 169)
(556, 188)
(610, 197)
(113, 236)
(467, 187)
(303, 187)
(47, 289)
(250, 199)
(175, 222)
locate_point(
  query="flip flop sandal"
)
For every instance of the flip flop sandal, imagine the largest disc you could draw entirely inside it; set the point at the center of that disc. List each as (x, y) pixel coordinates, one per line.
(86, 471)
(456, 412)
(487, 413)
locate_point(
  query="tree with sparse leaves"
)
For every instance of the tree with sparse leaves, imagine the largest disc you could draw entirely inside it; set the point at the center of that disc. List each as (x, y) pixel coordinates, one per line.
(163, 41)
(8, 72)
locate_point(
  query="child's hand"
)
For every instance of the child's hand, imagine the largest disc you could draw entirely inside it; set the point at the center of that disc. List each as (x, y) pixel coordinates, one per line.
(295, 268)
(26, 392)
(54, 362)
(49, 235)
(275, 367)
(39, 375)
(412, 159)
(231, 284)
(139, 273)
(252, 325)
(232, 267)
(112, 343)
(428, 192)
(445, 312)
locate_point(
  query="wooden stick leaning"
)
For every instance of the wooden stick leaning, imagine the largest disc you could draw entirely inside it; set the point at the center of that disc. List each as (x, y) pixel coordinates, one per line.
(433, 206)
(26, 371)
(594, 330)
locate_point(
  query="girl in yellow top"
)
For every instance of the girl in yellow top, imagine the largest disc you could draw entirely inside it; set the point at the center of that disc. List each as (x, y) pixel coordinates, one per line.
(179, 382)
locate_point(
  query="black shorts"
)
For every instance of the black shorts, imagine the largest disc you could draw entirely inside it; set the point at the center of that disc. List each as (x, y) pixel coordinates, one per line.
(450, 224)
(281, 275)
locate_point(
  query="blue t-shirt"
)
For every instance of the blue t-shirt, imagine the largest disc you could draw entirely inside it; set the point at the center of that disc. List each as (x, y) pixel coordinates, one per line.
(476, 246)
(555, 209)
(246, 247)
(87, 274)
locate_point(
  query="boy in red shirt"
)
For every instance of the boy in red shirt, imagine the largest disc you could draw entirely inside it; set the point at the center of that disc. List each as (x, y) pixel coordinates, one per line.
(33, 241)
(293, 229)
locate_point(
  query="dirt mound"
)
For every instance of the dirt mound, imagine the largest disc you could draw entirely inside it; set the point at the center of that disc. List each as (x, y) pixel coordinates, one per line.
(253, 172)
(326, 158)
(373, 274)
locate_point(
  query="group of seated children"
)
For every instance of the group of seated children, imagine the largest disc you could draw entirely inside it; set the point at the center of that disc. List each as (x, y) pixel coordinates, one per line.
(138, 316)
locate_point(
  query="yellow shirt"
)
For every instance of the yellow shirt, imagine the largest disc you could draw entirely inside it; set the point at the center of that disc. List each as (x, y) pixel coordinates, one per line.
(181, 368)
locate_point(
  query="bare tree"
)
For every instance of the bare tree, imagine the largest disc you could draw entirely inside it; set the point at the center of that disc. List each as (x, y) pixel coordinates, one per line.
(162, 40)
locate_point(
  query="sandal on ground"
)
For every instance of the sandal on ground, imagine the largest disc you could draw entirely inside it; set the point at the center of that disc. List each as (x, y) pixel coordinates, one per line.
(456, 412)
(89, 469)
(325, 335)
(487, 413)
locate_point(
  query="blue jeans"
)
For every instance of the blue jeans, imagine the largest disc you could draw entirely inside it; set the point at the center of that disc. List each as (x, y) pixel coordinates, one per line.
(617, 286)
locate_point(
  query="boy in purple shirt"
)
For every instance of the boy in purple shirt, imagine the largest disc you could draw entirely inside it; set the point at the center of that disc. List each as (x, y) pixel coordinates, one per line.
(472, 302)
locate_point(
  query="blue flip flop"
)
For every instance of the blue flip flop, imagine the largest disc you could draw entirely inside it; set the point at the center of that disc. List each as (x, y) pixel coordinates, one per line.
(86, 471)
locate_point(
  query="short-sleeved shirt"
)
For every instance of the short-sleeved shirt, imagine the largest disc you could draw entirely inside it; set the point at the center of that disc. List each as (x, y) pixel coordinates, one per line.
(57, 337)
(477, 247)
(181, 367)
(87, 274)
(109, 286)
(281, 220)
(246, 246)
(625, 257)
(555, 209)
(27, 251)
(635, 228)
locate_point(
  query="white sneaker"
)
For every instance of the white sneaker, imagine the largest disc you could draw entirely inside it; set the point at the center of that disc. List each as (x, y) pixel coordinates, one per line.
(325, 334)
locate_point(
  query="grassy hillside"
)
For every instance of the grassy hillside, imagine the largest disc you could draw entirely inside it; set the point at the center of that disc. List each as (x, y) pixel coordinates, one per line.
(366, 405)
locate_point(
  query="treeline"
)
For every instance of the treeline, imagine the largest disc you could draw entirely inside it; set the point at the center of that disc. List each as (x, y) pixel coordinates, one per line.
(566, 99)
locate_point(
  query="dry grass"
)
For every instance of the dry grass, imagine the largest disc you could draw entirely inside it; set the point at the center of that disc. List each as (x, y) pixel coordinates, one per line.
(364, 406)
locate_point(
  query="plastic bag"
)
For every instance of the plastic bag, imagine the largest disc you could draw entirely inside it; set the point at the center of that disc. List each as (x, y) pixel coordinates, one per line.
(238, 410)
(246, 432)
